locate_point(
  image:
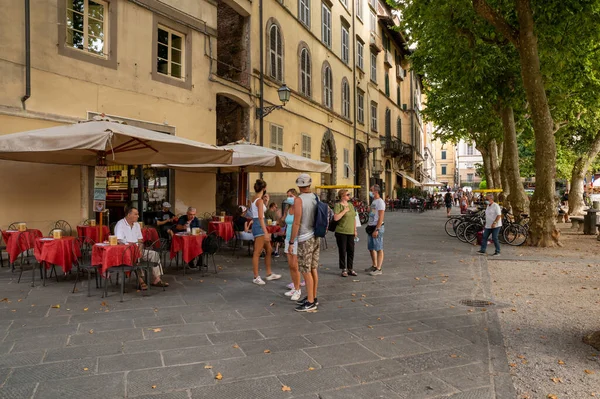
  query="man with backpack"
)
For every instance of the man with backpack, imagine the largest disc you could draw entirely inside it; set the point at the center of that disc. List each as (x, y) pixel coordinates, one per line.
(309, 225)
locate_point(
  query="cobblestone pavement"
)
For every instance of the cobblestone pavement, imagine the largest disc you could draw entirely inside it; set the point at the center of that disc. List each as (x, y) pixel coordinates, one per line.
(399, 335)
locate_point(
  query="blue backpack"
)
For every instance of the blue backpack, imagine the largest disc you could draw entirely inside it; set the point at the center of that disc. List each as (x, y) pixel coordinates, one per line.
(321, 218)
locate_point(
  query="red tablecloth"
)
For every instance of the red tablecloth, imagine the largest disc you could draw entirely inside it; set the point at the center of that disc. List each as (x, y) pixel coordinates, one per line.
(93, 232)
(107, 256)
(218, 218)
(150, 234)
(273, 229)
(223, 229)
(57, 252)
(189, 245)
(12, 246)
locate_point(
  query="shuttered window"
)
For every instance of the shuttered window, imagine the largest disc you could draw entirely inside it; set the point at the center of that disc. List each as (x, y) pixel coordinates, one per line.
(305, 73)
(275, 53)
(277, 137)
(306, 146)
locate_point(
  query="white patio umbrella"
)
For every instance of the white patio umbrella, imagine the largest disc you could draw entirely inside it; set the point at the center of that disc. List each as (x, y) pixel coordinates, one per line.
(86, 143)
(254, 158)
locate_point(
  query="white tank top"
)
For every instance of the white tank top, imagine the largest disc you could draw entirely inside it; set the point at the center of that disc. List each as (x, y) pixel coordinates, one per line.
(254, 209)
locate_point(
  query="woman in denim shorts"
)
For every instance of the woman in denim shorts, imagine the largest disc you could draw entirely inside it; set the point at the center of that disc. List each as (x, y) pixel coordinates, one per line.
(262, 238)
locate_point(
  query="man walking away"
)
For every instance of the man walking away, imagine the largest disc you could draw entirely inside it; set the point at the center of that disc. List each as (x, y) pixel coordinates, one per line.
(303, 229)
(375, 223)
(493, 223)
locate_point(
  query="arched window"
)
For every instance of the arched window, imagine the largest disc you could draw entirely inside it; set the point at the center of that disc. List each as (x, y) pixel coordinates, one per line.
(345, 98)
(399, 128)
(327, 86)
(305, 72)
(388, 123)
(275, 43)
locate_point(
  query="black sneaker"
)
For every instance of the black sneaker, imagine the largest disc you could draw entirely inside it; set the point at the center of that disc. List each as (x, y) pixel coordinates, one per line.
(481, 252)
(307, 307)
(304, 300)
(496, 254)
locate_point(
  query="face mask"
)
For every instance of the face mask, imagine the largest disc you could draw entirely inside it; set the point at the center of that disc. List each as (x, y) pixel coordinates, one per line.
(371, 194)
(289, 200)
(487, 202)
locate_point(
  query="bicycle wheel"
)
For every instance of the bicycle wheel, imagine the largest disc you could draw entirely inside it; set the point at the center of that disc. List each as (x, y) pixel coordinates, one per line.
(363, 217)
(471, 231)
(515, 235)
(460, 231)
(501, 233)
(450, 226)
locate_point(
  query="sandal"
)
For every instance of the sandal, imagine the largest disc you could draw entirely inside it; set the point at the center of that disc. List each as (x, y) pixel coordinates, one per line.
(345, 273)
(160, 283)
(143, 286)
(352, 273)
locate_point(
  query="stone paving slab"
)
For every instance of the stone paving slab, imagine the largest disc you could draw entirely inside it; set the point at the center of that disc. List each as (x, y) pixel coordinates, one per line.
(400, 335)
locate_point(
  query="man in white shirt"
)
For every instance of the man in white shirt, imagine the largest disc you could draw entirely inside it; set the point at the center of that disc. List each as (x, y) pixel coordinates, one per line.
(375, 241)
(128, 231)
(493, 223)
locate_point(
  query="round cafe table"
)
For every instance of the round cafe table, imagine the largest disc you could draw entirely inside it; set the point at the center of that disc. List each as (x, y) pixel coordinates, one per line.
(223, 229)
(106, 256)
(13, 248)
(189, 245)
(57, 252)
(218, 218)
(93, 232)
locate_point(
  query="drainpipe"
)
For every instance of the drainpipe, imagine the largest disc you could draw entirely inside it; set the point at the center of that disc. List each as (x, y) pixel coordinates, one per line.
(27, 54)
(262, 78)
(353, 41)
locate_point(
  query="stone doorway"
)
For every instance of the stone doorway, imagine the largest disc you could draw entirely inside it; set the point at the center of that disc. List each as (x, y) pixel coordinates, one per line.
(329, 155)
(360, 171)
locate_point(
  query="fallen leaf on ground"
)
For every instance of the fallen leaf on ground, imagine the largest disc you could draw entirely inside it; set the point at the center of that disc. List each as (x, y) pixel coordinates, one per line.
(267, 351)
(363, 295)
(285, 388)
(353, 294)
(417, 278)
(356, 281)
(589, 371)
(311, 368)
(85, 309)
(513, 364)
(55, 306)
(561, 362)
(156, 329)
(91, 331)
(153, 386)
(85, 369)
(453, 356)
(4, 300)
(236, 346)
(271, 304)
(521, 357)
(218, 376)
(555, 380)
(551, 396)
(381, 338)
(208, 367)
(410, 329)
(370, 326)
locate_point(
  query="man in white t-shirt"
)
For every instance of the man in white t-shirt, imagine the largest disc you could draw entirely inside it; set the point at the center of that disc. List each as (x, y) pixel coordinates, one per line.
(493, 223)
(375, 243)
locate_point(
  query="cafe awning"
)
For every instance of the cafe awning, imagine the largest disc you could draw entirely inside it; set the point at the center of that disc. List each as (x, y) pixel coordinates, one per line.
(434, 184)
(85, 142)
(410, 179)
(254, 158)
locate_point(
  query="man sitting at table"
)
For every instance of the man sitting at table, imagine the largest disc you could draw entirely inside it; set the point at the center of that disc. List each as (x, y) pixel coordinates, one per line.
(189, 220)
(243, 225)
(128, 231)
(165, 220)
(272, 213)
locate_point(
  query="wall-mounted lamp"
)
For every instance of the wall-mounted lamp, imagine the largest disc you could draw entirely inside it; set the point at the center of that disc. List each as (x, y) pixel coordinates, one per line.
(284, 93)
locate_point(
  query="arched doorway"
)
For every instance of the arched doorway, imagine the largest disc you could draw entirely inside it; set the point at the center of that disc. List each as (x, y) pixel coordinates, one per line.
(233, 124)
(360, 170)
(329, 155)
(389, 186)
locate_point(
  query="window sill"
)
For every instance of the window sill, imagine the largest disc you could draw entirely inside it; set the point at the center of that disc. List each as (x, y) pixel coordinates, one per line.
(85, 56)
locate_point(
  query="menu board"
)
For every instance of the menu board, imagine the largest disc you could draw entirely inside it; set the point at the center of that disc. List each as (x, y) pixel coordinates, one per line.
(100, 189)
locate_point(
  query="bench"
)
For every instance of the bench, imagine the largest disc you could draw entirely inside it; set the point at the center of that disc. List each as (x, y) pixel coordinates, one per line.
(577, 223)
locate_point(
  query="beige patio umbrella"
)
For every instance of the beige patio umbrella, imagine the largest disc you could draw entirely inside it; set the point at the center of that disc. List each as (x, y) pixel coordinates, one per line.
(254, 158)
(94, 142)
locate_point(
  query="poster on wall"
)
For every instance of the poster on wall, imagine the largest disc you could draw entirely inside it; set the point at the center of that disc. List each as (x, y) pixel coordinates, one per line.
(99, 206)
(100, 194)
(100, 171)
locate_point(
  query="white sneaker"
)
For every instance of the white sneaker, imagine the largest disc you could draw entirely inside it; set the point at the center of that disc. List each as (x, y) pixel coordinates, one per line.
(296, 295)
(290, 292)
(273, 276)
(258, 281)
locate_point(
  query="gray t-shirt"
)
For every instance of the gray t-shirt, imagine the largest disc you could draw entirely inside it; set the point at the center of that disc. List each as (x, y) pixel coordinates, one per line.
(376, 206)
(307, 223)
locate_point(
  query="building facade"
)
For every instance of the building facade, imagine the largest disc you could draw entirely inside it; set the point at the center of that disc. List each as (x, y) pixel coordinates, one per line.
(193, 69)
(446, 159)
(468, 157)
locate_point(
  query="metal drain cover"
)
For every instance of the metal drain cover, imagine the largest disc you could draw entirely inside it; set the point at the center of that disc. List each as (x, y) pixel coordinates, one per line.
(476, 303)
